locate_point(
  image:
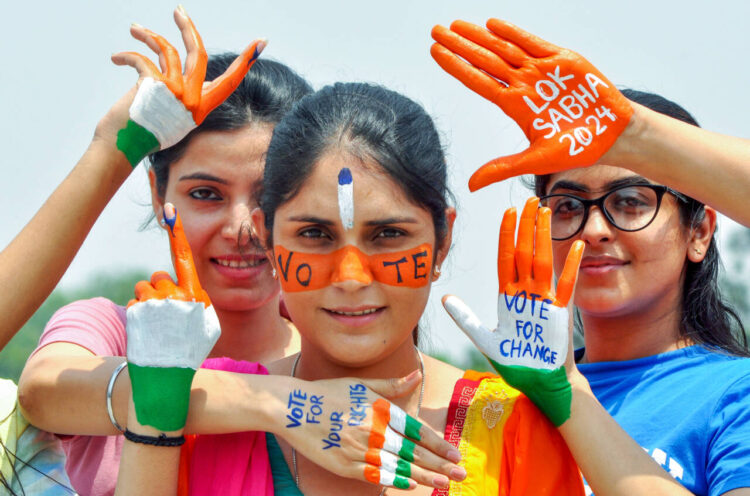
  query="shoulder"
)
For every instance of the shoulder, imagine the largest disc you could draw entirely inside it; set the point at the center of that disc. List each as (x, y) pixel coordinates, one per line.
(97, 324)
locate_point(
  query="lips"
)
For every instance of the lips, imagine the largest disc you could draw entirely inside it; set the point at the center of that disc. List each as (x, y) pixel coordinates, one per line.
(355, 316)
(240, 266)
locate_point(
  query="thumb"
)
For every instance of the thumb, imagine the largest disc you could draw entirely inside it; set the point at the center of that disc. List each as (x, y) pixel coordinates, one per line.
(394, 387)
(542, 157)
(464, 318)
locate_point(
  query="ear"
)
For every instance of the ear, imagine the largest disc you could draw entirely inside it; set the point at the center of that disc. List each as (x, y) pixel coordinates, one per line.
(701, 235)
(259, 231)
(157, 202)
(445, 243)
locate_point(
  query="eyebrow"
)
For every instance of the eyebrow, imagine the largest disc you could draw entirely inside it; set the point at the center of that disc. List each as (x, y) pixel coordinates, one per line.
(625, 181)
(391, 220)
(202, 176)
(376, 222)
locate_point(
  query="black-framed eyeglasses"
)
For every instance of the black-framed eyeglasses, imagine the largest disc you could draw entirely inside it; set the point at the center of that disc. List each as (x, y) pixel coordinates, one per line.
(628, 208)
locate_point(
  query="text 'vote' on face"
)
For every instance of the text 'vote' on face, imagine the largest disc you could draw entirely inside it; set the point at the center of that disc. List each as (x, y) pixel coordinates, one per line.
(308, 271)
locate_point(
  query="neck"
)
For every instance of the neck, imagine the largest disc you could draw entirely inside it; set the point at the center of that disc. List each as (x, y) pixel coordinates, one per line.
(635, 335)
(314, 365)
(257, 335)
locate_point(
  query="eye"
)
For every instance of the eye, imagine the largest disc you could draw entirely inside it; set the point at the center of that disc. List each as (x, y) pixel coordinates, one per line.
(389, 232)
(314, 233)
(204, 194)
(564, 207)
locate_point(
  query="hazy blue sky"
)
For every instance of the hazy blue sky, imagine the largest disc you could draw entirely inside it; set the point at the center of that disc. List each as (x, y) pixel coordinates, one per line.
(57, 82)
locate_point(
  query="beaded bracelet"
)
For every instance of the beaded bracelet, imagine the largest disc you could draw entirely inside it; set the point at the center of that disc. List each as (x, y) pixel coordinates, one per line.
(161, 440)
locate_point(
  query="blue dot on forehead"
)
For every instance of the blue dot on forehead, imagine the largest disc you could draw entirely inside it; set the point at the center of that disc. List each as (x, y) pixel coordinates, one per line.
(345, 176)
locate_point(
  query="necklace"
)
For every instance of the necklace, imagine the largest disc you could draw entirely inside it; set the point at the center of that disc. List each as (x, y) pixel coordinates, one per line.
(419, 407)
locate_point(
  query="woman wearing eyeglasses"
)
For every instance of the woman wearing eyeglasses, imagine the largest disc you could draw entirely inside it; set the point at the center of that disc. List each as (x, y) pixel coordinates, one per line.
(664, 354)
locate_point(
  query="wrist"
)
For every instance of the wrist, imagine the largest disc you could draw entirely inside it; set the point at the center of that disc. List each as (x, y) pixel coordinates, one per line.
(628, 151)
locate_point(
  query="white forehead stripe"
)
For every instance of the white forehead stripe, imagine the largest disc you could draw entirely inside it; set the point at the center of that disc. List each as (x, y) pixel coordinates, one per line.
(346, 198)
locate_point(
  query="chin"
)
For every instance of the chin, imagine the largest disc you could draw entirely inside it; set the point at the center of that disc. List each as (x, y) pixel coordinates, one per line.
(242, 300)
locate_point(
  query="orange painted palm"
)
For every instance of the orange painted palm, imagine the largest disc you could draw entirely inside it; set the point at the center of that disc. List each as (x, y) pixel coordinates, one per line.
(530, 345)
(568, 110)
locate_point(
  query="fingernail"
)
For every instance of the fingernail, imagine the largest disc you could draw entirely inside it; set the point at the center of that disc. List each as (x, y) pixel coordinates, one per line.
(259, 48)
(135, 25)
(181, 10)
(170, 216)
(414, 375)
(440, 481)
(453, 455)
(458, 473)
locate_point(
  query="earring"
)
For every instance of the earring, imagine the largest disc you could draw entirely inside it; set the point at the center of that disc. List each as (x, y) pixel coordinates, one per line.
(698, 252)
(436, 271)
(273, 273)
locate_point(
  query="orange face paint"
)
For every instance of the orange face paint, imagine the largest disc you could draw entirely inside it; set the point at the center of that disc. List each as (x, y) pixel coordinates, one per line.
(308, 271)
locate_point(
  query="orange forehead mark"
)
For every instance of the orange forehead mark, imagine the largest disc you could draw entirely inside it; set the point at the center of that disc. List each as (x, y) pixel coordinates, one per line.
(309, 271)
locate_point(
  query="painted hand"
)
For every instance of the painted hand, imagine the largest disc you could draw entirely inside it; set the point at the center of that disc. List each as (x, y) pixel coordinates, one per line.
(171, 330)
(168, 103)
(530, 345)
(345, 427)
(568, 110)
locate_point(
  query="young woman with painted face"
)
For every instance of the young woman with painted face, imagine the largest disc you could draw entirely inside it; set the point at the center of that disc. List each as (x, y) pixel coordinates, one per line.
(664, 355)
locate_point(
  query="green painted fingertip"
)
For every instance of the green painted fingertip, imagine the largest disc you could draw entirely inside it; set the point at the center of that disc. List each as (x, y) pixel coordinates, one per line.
(407, 450)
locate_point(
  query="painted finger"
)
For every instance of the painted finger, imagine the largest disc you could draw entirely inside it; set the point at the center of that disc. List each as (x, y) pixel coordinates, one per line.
(567, 281)
(531, 44)
(525, 240)
(139, 62)
(473, 78)
(162, 281)
(543, 250)
(144, 35)
(391, 466)
(509, 52)
(173, 75)
(144, 291)
(196, 60)
(182, 255)
(473, 53)
(220, 88)
(506, 261)
(382, 476)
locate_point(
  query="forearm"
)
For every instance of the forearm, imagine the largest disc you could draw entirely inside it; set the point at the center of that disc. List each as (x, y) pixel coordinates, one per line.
(610, 460)
(66, 395)
(713, 168)
(33, 263)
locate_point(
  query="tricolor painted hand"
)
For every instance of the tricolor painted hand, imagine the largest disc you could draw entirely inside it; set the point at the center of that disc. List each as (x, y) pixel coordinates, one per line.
(170, 103)
(530, 345)
(568, 110)
(171, 330)
(344, 426)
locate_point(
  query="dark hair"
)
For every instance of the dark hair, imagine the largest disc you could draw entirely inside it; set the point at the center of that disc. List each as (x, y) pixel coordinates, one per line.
(266, 93)
(370, 122)
(707, 318)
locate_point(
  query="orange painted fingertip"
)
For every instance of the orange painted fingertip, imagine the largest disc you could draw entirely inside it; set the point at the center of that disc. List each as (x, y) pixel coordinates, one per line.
(372, 474)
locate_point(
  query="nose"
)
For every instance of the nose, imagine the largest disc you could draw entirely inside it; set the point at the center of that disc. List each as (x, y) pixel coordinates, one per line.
(352, 270)
(237, 223)
(597, 228)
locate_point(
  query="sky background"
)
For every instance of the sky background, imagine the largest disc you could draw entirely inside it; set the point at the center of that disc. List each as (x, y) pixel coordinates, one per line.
(57, 81)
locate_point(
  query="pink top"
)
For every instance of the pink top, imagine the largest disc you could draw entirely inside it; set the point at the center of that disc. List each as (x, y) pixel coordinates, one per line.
(92, 462)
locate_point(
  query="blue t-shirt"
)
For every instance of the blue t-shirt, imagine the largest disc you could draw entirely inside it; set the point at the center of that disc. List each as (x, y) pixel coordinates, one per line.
(689, 409)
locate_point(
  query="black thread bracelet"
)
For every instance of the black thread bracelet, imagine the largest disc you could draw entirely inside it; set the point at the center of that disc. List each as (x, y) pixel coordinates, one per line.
(161, 440)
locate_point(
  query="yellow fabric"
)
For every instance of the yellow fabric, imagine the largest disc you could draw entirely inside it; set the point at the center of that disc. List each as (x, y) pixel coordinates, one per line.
(481, 443)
